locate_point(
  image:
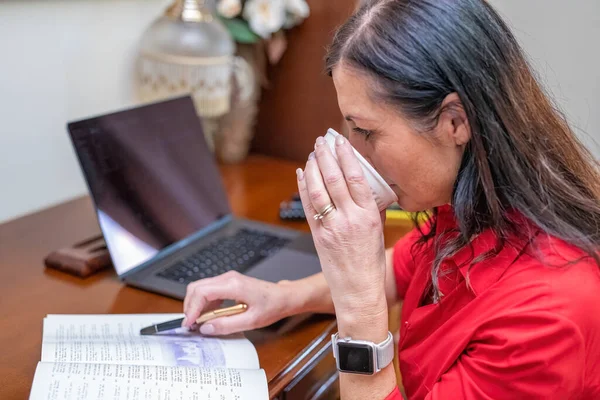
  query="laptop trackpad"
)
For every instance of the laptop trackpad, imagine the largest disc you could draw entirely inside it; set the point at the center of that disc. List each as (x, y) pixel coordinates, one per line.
(287, 264)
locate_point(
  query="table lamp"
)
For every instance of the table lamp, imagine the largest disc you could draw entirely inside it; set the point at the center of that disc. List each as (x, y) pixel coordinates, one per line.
(188, 50)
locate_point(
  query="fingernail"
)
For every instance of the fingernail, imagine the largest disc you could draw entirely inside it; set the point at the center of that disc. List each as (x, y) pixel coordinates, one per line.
(300, 174)
(339, 140)
(320, 141)
(311, 155)
(207, 329)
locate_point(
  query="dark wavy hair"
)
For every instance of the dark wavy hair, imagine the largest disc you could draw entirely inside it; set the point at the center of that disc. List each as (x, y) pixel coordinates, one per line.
(522, 154)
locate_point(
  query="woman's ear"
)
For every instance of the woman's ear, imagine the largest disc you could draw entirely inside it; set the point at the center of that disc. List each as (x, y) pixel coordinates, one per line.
(453, 123)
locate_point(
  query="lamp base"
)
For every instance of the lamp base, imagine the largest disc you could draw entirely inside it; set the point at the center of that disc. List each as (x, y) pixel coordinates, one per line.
(236, 128)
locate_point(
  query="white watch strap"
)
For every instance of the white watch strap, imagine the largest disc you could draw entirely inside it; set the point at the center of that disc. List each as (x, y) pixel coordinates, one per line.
(385, 352)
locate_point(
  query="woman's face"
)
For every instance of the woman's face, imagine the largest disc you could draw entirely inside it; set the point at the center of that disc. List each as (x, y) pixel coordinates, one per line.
(421, 167)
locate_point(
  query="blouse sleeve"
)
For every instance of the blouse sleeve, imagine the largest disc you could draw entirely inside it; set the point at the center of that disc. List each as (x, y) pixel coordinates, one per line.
(395, 395)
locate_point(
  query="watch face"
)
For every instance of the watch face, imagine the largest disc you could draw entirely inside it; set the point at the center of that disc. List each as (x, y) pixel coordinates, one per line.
(355, 358)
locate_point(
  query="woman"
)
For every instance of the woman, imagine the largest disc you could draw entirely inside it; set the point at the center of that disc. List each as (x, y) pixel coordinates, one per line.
(500, 285)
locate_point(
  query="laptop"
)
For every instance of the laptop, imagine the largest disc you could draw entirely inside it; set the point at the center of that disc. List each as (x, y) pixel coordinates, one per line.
(162, 207)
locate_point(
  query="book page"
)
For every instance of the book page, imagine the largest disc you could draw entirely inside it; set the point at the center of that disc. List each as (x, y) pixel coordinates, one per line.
(61, 381)
(116, 339)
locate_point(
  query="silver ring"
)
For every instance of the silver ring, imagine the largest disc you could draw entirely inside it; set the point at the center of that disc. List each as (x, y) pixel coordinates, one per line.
(328, 209)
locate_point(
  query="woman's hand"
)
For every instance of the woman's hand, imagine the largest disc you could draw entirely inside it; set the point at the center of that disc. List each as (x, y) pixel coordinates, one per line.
(349, 239)
(267, 303)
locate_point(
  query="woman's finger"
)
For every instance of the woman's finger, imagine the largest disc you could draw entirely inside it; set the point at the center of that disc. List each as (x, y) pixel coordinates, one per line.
(228, 325)
(194, 308)
(355, 178)
(315, 187)
(333, 177)
(309, 210)
(186, 300)
(205, 292)
(191, 291)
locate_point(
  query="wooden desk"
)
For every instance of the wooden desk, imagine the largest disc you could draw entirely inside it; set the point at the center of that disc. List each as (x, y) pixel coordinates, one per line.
(297, 364)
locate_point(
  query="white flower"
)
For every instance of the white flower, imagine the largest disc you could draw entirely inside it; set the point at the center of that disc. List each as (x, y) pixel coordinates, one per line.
(296, 12)
(229, 8)
(297, 7)
(265, 16)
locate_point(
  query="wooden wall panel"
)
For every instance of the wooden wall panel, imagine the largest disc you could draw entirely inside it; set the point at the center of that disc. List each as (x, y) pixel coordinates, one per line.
(300, 103)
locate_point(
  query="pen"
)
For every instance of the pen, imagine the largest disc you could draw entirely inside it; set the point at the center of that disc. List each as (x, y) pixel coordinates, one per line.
(176, 323)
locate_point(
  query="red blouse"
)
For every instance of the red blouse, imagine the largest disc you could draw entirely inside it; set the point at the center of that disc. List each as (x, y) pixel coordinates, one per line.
(527, 329)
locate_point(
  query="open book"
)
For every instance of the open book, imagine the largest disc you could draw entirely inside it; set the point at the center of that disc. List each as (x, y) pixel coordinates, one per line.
(104, 357)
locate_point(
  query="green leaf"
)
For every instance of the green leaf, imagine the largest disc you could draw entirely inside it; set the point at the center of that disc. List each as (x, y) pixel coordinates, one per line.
(240, 30)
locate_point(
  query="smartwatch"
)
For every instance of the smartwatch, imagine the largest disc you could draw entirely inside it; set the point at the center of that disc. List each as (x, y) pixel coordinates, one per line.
(360, 356)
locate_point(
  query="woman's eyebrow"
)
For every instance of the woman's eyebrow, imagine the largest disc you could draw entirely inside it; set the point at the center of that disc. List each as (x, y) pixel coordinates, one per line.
(352, 118)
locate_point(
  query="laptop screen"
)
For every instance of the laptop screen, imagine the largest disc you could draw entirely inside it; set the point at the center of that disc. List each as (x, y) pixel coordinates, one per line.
(152, 177)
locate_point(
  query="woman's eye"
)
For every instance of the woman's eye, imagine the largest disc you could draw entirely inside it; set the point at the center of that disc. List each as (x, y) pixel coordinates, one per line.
(363, 132)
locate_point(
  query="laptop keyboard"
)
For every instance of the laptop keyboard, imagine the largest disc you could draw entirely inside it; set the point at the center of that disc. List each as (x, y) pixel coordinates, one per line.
(234, 253)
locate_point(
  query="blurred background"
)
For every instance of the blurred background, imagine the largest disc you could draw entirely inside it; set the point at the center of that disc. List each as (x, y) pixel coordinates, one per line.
(66, 60)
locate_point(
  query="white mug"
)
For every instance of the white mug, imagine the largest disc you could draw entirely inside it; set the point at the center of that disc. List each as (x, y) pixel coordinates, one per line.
(383, 193)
